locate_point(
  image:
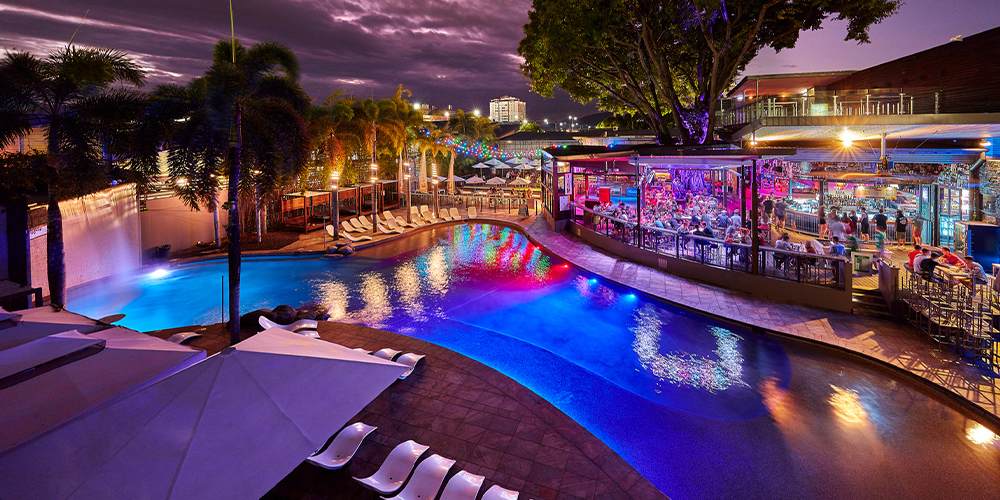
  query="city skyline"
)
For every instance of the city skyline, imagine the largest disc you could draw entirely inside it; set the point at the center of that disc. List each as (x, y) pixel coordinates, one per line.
(462, 55)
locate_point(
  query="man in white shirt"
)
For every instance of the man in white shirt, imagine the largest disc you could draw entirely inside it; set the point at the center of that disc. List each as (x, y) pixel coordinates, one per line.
(837, 229)
(925, 253)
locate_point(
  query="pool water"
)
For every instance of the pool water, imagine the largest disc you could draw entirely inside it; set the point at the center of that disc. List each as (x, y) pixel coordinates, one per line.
(701, 409)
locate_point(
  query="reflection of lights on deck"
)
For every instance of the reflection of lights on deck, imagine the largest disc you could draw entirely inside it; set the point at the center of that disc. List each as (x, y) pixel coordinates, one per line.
(980, 435)
(159, 273)
(847, 406)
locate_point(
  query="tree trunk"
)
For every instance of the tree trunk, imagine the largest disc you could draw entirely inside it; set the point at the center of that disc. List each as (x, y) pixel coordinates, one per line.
(423, 171)
(215, 220)
(256, 212)
(233, 229)
(451, 173)
(55, 251)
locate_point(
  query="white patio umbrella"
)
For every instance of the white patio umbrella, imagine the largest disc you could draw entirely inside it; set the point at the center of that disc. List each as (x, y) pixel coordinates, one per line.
(493, 162)
(475, 179)
(229, 427)
(524, 167)
(43, 321)
(93, 370)
(520, 181)
(496, 181)
(515, 161)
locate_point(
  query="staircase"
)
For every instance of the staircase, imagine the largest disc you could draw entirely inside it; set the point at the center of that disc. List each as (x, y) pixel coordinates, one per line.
(871, 303)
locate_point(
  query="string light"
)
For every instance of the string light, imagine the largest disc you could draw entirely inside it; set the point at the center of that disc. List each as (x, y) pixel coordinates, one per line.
(482, 150)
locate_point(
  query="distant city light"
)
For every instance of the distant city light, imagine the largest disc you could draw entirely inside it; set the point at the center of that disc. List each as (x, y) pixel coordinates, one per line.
(416, 106)
(475, 112)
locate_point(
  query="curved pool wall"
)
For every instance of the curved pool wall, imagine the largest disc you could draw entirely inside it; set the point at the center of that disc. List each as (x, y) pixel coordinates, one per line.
(701, 409)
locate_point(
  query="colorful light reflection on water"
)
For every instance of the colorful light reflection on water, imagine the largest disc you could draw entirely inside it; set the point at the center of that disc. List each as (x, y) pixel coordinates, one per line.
(679, 397)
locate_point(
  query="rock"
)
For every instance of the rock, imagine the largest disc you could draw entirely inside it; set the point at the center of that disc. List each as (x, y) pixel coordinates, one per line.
(283, 315)
(305, 315)
(307, 306)
(251, 320)
(345, 250)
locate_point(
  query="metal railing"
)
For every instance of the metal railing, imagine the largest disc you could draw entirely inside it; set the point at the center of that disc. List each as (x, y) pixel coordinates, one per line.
(808, 224)
(822, 104)
(962, 314)
(508, 204)
(820, 270)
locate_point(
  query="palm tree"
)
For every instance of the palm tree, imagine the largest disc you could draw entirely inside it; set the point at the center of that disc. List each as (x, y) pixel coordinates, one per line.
(433, 142)
(254, 94)
(92, 128)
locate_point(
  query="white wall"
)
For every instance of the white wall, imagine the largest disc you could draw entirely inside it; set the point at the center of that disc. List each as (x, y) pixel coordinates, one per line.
(100, 234)
(167, 221)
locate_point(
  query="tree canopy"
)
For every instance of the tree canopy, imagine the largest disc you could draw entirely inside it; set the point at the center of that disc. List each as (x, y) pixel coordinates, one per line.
(668, 60)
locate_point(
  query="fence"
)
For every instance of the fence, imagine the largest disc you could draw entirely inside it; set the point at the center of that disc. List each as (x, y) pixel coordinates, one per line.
(807, 268)
(508, 204)
(882, 102)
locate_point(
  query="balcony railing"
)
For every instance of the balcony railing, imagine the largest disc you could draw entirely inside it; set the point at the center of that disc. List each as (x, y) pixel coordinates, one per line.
(738, 111)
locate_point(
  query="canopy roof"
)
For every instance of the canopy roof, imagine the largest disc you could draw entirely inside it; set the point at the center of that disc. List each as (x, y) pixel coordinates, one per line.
(228, 427)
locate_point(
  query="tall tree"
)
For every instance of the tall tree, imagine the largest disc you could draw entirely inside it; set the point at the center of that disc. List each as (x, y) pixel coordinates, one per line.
(670, 60)
(253, 96)
(92, 128)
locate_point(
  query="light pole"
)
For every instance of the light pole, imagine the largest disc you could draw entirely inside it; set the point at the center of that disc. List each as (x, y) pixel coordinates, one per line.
(434, 182)
(374, 198)
(406, 177)
(335, 205)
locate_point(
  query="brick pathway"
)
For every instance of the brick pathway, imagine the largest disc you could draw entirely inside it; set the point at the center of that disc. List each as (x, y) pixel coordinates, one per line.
(491, 425)
(893, 342)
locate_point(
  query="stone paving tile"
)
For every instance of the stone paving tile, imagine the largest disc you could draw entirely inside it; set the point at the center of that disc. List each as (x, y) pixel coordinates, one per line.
(514, 438)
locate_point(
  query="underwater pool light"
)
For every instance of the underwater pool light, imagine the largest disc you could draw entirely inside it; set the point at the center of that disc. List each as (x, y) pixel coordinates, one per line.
(159, 273)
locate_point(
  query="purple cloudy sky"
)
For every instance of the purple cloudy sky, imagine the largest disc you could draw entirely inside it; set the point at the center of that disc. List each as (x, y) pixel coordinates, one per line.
(459, 53)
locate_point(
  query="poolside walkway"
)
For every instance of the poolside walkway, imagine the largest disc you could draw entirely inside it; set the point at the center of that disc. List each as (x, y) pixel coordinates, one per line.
(893, 342)
(466, 411)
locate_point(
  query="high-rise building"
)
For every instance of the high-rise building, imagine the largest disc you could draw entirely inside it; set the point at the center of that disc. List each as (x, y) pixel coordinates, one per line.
(508, 110)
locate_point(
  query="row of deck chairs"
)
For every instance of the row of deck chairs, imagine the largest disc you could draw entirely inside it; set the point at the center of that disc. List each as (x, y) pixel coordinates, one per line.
(400, 475)
(361, 226)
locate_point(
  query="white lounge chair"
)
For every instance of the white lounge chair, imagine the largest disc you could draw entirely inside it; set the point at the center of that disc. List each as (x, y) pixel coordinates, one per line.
(454, 214)
(305, 327)
(395, 226)
(462, 486)
(384, 228)
(426, 214)
(497, 493)
(472, 213)
(396, 468)
(444, 215)
(416, 218)
(402, 222)
(364, 220)
(182, 337)
(356, 239)
(343, 447)
(345, 226)
(409, 359)
(427, 479)
(393, 221)
(387, 354)
(359, 225)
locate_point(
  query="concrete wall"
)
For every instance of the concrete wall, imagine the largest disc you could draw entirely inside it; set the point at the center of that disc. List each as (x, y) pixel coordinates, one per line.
(101, 237)
(167, 221)
(790, 291)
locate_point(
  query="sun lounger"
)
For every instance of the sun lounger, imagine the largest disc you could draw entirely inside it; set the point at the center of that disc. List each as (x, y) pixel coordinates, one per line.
(305, 327)
(359, 226)
(409, 359)
(462, 486)
(346, 226)
(364, 220)
(396, 468)
(402, 222)
(472, 213)
(415, 216)
(427, 479)
(497, 493)
(388, 354)
(182, 337)
(384, 228)
(427, 215)
(343, 447)
(392, 220)
(444, 215)
(356, 239)
(393, 225)
(454, 214)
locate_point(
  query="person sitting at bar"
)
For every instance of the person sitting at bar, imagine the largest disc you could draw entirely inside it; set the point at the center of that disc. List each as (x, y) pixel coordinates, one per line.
(927, 266)
(917, 250)
(951, 259)
(976, 272)
(925, 253)
(783, 243)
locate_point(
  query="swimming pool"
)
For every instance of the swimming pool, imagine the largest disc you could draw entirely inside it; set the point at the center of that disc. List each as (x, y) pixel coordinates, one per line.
(701, 409)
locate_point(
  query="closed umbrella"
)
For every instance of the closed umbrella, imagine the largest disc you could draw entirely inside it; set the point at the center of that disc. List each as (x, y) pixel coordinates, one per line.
(228, 427)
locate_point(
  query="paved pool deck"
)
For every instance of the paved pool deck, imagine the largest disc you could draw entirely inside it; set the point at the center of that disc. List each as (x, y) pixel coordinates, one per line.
(466, 411)
(892, 342)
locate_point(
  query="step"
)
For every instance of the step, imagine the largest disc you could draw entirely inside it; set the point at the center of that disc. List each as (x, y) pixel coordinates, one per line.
(875, 314)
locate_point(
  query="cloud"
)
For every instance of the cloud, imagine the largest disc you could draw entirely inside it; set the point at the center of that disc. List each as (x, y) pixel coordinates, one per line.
(447, 52)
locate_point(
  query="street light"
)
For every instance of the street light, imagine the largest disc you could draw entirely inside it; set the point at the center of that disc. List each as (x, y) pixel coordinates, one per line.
(434, 182)
(475, 112)
(374, 198)
(335, 205)
(406, 176)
